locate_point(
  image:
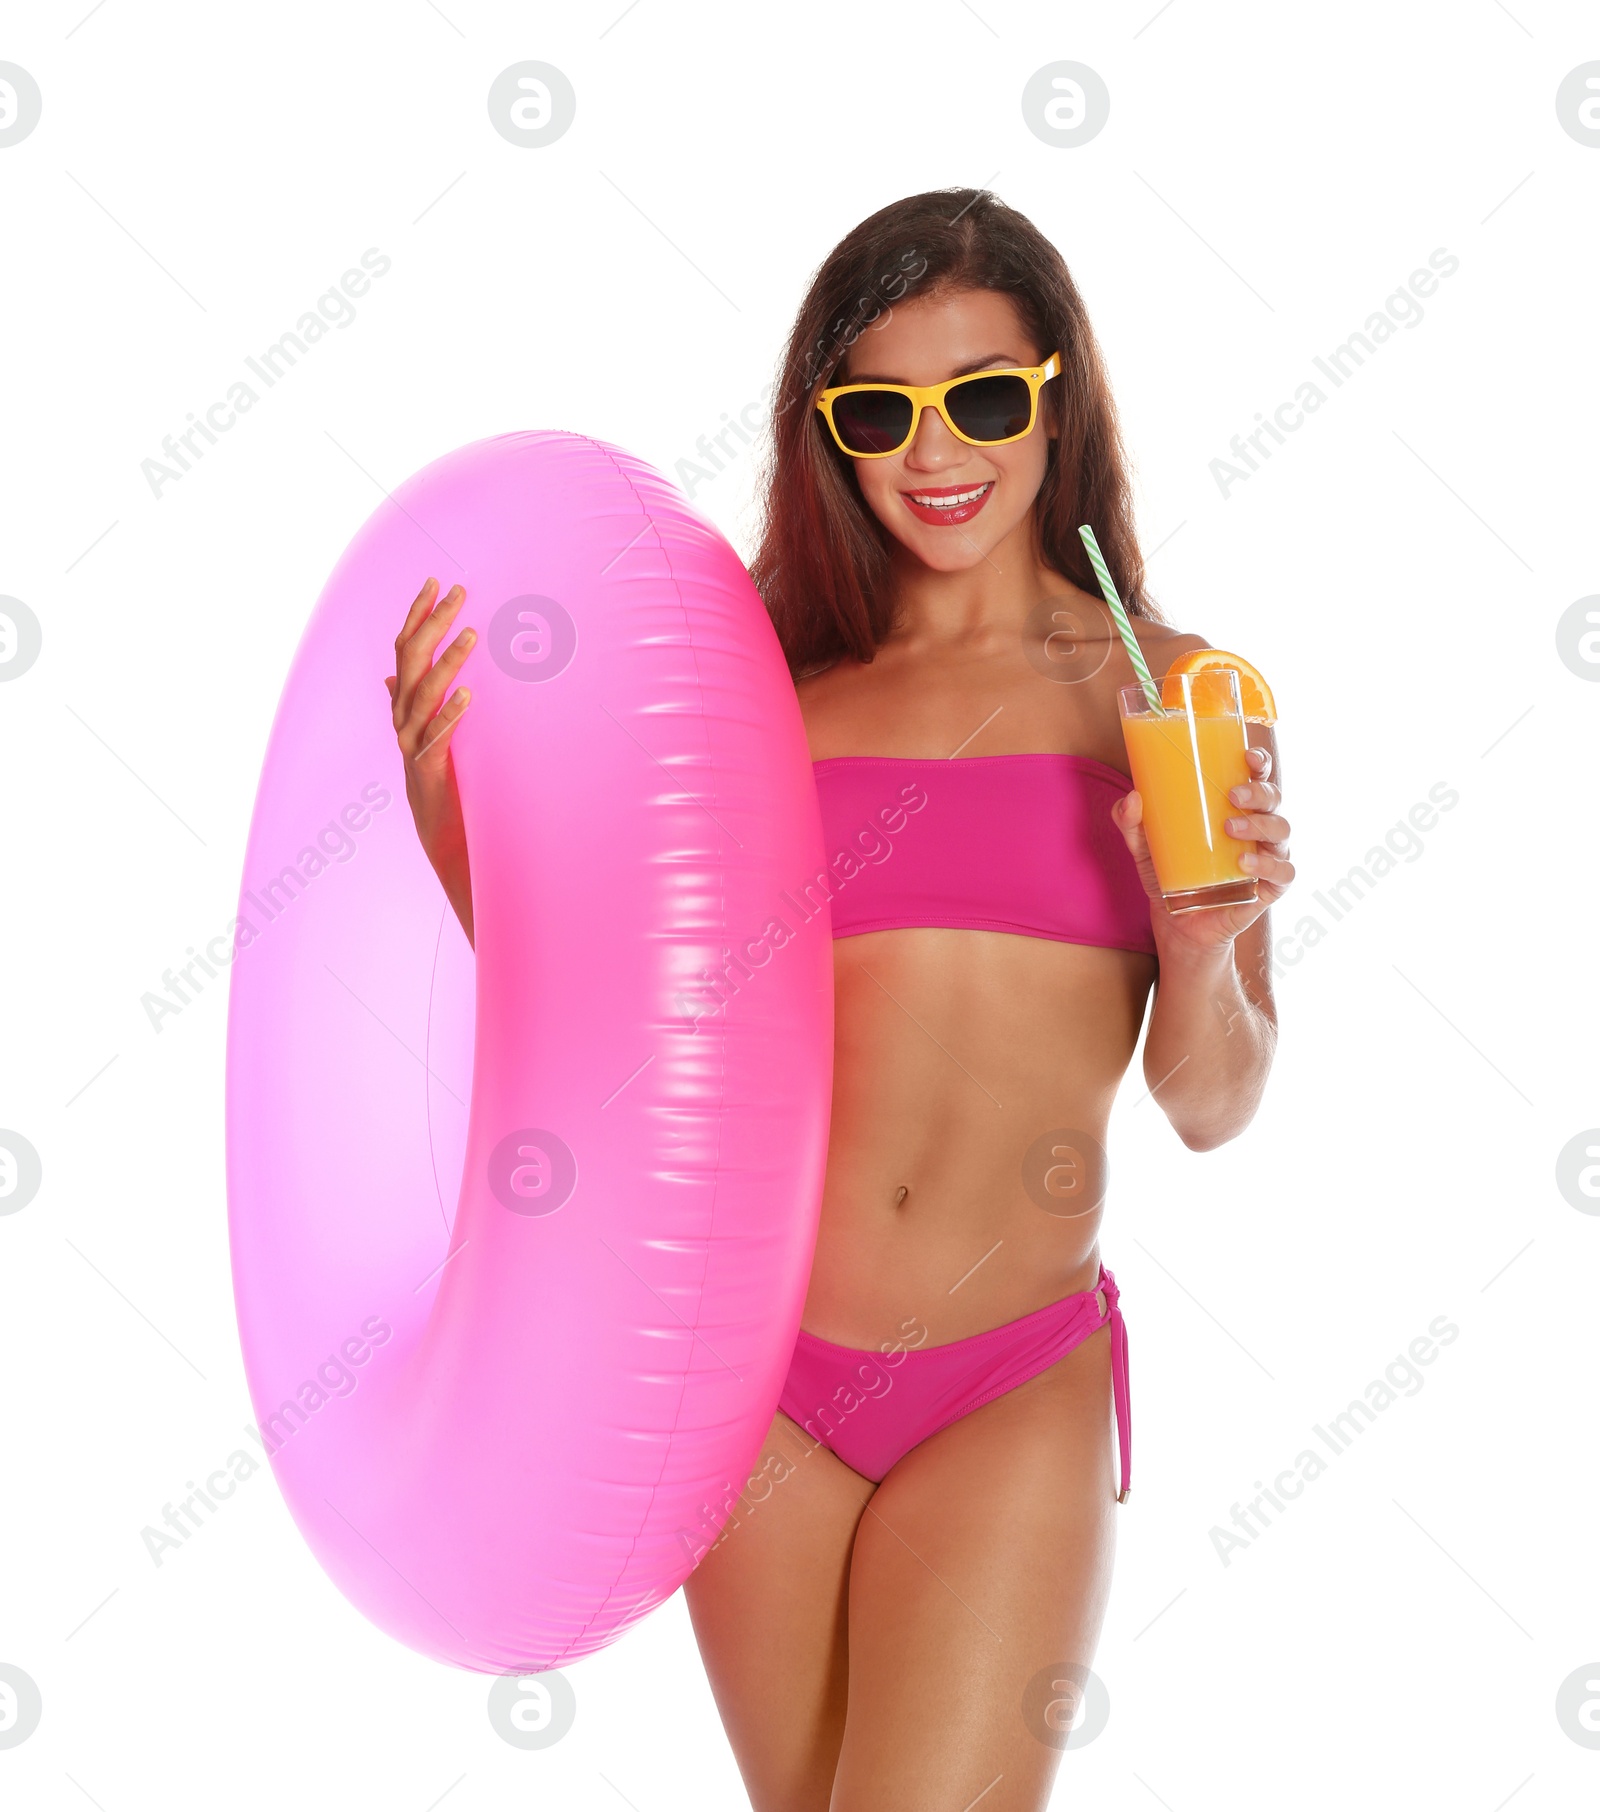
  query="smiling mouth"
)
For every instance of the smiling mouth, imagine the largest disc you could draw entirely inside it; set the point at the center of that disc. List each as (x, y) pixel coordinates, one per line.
(949, 504)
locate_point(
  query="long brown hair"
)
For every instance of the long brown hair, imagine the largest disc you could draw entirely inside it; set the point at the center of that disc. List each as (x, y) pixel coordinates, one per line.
(823, 561)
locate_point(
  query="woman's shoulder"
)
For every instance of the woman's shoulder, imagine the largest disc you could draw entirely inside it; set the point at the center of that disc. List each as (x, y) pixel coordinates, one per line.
(820, 686)
(1161, 642)
(812, 679)
(830, 702)
(1087, 616)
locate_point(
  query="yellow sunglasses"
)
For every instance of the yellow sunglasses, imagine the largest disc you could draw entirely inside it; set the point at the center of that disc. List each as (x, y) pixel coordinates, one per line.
(985, 409)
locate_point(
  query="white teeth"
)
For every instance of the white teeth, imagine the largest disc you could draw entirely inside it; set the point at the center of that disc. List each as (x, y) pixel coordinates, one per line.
(948, 503)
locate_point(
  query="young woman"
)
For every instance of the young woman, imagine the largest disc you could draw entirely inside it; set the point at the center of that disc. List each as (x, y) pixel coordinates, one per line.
(902, 1610)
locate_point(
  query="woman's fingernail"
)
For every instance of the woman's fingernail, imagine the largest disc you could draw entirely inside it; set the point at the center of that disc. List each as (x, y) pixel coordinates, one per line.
(1238, 794)
(1249, 860)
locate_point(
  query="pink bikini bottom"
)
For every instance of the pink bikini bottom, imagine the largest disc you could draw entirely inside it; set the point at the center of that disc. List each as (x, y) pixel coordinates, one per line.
(873, 1408)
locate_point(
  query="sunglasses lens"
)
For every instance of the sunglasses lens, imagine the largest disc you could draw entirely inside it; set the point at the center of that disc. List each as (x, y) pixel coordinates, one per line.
(872, 421)
(990, 408)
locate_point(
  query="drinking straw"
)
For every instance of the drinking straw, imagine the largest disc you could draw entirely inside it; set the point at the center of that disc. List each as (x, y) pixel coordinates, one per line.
(1119, 616)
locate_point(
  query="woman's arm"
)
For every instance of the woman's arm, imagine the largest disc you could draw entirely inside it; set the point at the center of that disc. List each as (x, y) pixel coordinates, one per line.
(1213, 1031)
(425, 712)
(1214, 1027)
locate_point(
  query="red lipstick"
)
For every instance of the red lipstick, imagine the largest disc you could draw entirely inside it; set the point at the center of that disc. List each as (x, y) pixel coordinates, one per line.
(943, 506)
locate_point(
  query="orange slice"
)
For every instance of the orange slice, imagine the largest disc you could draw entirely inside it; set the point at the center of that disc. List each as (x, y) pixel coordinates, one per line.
(1254, 691)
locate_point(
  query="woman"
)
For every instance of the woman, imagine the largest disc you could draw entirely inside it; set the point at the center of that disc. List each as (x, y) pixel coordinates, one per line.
(907, 1597)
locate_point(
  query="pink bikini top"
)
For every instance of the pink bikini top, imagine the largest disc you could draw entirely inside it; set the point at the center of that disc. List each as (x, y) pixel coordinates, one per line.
(1019, 843)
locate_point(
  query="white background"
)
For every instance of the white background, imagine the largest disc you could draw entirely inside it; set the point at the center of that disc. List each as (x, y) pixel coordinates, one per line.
(1268, 176)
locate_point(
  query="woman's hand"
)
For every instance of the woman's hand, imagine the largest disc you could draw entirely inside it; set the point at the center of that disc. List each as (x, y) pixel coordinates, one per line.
(424, 719)
(1256, 816)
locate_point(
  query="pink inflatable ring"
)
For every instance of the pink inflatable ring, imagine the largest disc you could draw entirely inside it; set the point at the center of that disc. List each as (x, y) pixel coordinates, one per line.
(516, 1287)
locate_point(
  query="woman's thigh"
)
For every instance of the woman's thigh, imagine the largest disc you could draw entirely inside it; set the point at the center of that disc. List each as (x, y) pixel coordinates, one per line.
(768, 1604)
(981, 1569)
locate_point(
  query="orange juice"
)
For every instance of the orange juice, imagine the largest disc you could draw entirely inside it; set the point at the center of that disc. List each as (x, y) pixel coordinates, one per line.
(1183, 765)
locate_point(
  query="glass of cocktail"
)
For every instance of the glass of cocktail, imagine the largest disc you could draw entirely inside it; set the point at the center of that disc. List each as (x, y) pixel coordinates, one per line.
(1184, 758)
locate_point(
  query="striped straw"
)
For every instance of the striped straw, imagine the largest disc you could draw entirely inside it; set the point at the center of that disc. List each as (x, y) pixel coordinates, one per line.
(1119, 616)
